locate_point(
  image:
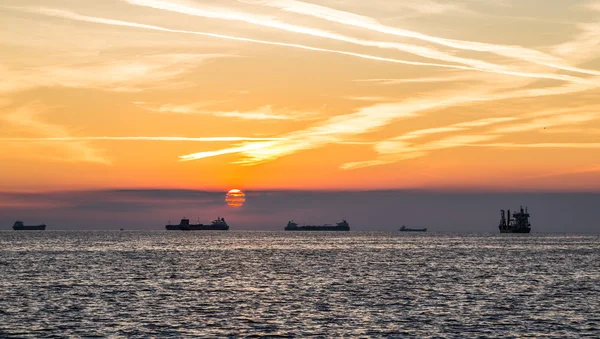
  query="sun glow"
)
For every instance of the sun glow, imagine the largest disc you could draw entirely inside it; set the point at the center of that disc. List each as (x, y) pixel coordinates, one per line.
(235, 198)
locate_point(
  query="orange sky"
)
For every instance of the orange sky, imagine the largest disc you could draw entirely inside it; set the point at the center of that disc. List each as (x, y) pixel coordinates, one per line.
(280, 94)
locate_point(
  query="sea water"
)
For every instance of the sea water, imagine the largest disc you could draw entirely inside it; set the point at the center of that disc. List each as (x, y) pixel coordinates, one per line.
(302, 284)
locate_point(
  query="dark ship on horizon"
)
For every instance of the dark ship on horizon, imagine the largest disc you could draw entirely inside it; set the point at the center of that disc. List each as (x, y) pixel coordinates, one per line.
(20, 226)
(218, 224)
(340, 226)
(518, 224)
(407, 229)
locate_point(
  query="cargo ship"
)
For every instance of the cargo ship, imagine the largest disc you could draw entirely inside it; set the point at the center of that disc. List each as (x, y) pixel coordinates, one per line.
(340, 226)
(218, 224)
(406, 229)
(19, 226)
(519, 223)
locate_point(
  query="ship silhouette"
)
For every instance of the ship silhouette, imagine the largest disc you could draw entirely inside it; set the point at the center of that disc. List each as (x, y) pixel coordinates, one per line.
(407, 229)
(19, 226)
(340, 226)
(218, 224)
(518, 224)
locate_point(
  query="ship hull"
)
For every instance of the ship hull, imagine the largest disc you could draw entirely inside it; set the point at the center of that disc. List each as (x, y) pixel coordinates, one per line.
(414, 230)
(208, 228)
(196, 228)
(516, 230)
(30, 228)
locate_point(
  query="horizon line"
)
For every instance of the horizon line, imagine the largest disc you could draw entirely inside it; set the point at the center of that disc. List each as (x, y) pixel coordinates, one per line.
(465, 190)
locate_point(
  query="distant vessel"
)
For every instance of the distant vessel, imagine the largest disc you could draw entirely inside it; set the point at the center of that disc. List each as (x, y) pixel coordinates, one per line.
(19, 226)
(218, 224)
(340, 226)
(520, 223)
(406, 229)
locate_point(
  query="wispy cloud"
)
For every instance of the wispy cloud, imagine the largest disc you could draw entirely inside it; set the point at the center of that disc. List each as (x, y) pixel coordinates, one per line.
(261, 113)
(339, 129)
(468, 64)
(471, 64)
(74, 16)
(452, 78)
(589, 145)
(352, 19)
(404, 147)
(370, 98)
(27, 118)
(333, 130)
(128, 74)
(143, 138)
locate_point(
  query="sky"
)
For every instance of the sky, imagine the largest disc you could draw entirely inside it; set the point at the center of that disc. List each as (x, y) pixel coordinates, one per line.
(285, 94)
(263, 95)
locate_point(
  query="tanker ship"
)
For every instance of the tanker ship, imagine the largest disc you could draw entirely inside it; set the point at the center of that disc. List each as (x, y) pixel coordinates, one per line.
(218, 224)
(340, 226)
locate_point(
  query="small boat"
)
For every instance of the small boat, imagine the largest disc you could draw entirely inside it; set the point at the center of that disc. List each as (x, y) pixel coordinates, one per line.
(406, 229)
(19, 226)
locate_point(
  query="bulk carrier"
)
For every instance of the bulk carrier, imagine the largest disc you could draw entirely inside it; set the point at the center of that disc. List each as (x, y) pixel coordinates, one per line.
(340, 226)
(19, 226)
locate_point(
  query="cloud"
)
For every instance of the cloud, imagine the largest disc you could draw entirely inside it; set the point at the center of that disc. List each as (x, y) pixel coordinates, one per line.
(473, 65)
(142, 138)
(422, 51)
(399, 149)
(125, 74)
(261, 113)
(426, 7)
(393, 151)
(340, 128)
(417, 80)
(333, 130)
(369, 98)
(26, 117)
(584, 145)
(539, 124)
(74, 16)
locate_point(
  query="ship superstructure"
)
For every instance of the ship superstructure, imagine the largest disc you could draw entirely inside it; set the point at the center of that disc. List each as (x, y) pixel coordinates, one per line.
(518, 223)
(218, 224)
(20, 226)
(340, 226)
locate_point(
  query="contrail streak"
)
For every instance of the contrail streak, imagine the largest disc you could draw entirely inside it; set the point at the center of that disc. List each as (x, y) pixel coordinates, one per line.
(244, 148)
(541, 145)
(78, 17)
(207, 139)
(352, 19)
(417, 50)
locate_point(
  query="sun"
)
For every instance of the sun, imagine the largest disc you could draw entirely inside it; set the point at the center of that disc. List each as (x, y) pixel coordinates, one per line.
(235, 198)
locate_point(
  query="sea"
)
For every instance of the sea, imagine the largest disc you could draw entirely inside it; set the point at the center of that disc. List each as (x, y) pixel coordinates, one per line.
(209, 284)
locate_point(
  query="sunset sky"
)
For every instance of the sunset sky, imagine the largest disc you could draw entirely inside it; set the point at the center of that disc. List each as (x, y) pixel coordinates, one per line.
(285, 94)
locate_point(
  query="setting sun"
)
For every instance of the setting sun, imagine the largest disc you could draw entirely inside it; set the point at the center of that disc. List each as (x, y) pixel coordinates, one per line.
(235, 198)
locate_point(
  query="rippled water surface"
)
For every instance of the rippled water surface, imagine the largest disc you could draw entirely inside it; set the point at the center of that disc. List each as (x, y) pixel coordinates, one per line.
(345, 284)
